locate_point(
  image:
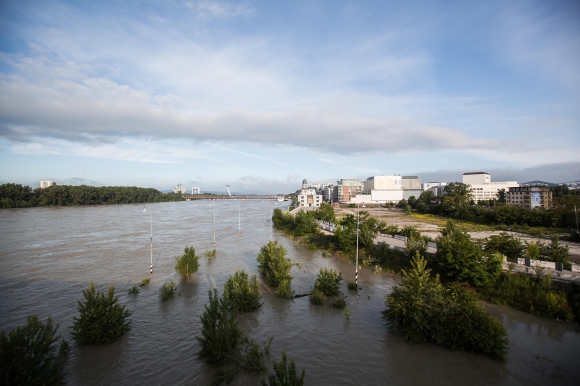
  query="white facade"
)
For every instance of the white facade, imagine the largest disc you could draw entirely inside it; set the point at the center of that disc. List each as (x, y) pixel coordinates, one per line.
(180, 188)
(383, 183)
(411, 183)
(46, 184)
(384, 196)
(309, 198)
(435, 187)
(482, 188)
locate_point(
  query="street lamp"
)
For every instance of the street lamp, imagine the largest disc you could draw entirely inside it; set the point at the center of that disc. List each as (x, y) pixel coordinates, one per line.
(357, 226)
(239, 219)
(151, 237)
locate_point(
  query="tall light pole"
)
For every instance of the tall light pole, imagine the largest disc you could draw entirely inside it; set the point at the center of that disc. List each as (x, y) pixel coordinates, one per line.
(239, 219)
(151, 237)
(576, 212)
(356, 269)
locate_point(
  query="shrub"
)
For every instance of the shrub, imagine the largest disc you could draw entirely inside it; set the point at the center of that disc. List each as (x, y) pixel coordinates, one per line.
(220, 332)
(316, 297)
(145, 281)
(134, 290)
(346, 313)
(328, 282)
(283, 290)
(275, 267)
(30, 355)
(425, 311)
(187, 263)
(353, 286)
(339, 303)
(167, 290)
(252, 356)
(102, 319)
(210, 254)
(284, 373)
(243, 292)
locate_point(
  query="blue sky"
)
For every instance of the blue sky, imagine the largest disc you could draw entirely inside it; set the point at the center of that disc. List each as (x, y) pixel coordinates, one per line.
(261, 94)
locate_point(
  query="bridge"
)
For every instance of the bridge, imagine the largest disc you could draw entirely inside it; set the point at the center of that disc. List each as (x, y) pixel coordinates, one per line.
(232, 197)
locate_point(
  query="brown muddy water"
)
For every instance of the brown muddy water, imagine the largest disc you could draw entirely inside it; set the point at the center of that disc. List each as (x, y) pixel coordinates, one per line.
(49, 255)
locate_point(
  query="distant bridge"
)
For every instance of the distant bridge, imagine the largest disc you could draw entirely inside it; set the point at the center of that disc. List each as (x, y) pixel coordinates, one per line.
(232, 197)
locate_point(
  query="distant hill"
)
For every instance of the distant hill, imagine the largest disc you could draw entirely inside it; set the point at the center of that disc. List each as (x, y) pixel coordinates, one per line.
(571, 184)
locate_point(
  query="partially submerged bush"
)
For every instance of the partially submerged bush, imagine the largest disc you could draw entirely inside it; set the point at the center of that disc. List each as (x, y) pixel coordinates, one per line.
(145, 281)
(423, 310)
(243, 292)
(346, 313)
(134, 290)
(187, 263)
(167, 290)
(102, 319)
(30, 355)
(339, 303)
(210, 254)
(220, 332)
(328, 282)
(353, 286)
(316, 297)
(275, 267)
(284, 373)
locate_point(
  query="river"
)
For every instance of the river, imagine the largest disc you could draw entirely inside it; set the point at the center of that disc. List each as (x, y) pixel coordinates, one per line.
(49, 255)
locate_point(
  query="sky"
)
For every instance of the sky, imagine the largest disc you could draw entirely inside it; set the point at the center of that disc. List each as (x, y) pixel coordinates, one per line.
(262, 94)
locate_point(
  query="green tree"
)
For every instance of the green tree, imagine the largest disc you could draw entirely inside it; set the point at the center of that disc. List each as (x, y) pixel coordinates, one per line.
(325, 213)
(285, 374)
(461, 259)
(457, 193)
(187, 263)
(305, 224)
(242, 292)
(328, 282)
(274, 265)
(501, 195)
(533, 250)
(507, 245)
(555, 252)
(220, 334)
(368, 229)
(30, 355)
(101, 320)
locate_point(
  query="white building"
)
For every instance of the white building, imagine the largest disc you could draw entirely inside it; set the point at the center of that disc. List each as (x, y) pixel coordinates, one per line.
(482, 188)
(180, 188)
(309, 198)
(46, 184)
(435, 187)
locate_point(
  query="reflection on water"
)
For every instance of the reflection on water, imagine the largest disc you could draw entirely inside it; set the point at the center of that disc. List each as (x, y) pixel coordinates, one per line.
(49, 255)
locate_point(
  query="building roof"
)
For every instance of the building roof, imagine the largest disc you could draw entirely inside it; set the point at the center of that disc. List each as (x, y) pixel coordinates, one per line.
(466, 174)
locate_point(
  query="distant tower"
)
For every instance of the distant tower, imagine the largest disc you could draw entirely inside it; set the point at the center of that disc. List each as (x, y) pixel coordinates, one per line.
(304, 184)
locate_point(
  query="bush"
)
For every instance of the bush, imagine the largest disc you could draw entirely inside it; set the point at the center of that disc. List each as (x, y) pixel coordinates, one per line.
(210, 254)
(275, 267)
(507, 245)
(220, 332)
(187, 263)
(423, 310)
(243, 292)
(316, 297)
(339, 303)
(284, 374)
(328, 282)
(134, 290)
(252, 356)
(167, 290)
(102, 319)
(353, 286)
(145, 281)
(346, 313)
(29, 356)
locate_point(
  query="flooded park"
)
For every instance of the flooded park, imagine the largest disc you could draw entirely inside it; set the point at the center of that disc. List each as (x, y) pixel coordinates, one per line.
(49, 255)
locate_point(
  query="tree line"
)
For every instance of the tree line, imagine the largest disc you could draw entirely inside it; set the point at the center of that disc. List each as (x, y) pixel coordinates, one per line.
(19, 196)
(457, 202)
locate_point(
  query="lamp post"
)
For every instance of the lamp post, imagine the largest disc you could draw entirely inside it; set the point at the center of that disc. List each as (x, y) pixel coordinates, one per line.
(576, 213)
(239, 219)
(151, 237)
(356, 269)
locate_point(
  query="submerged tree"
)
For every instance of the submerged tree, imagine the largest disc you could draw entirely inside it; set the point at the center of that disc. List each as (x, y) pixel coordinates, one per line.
(30, 355)
(102, 319)
(328, 282)
(220, 334)
(275, 267)
(285, 373)
(243, 292)
(187, 263)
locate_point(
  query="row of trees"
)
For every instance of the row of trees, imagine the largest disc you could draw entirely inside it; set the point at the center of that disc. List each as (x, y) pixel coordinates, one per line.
(457, 203)
(18, 196)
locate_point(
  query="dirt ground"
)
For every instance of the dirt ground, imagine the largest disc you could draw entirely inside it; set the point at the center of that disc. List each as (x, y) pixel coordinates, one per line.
(397, 217)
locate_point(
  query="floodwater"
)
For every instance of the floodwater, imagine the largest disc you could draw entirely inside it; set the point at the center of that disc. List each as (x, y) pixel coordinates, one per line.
(49, 255)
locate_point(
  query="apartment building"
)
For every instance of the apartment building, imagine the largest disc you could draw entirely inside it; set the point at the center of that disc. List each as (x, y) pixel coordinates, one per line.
(309, 198)
(529, 197)
(346, 189)
(47, 183)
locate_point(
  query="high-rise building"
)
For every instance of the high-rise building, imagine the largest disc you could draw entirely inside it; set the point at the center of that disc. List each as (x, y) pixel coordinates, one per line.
(482, 188)
(529, 197)
(45, 184)
(180, 188)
